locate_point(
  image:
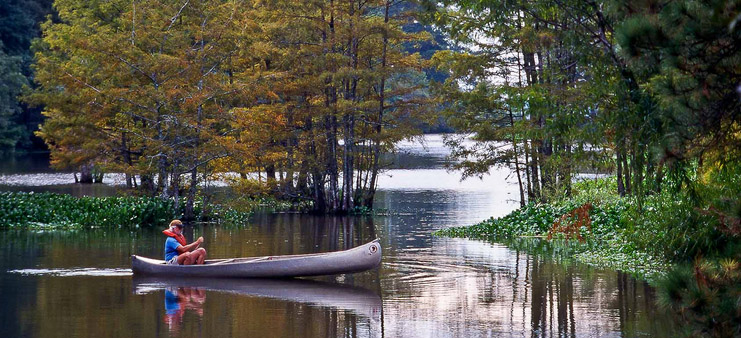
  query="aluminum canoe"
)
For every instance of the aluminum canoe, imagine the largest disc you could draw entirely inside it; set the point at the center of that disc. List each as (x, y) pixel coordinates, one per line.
(360, 258)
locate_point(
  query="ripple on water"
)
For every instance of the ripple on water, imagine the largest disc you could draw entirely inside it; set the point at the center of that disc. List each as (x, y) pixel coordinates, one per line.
(73, 272)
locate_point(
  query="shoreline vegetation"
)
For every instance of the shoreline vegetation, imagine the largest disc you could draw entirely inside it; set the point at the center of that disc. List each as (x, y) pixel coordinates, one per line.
(680, 245)
(58, 211)
(594, 228)
(53, 211)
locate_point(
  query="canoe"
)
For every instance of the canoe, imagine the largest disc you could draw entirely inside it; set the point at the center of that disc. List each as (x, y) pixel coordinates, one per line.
(361, 258)
(351, 298)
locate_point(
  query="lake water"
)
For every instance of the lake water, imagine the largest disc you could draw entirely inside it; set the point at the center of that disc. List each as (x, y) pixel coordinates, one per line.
(79, 283)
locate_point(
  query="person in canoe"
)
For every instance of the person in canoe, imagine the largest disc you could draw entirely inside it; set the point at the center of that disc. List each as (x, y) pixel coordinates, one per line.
(177, 251)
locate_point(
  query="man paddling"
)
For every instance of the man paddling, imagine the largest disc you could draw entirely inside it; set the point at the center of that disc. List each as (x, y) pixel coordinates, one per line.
(177, 252)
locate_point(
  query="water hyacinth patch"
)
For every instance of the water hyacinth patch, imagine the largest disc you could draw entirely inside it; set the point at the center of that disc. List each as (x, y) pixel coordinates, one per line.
(62, 211)
(49, 210)
(607, 243)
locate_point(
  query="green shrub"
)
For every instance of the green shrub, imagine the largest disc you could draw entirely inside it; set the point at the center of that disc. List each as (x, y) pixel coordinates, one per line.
(706, 296)
(672, 226)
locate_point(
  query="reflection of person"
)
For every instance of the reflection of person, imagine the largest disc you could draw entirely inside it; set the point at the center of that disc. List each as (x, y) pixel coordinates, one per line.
(177, 300)
(177, 252)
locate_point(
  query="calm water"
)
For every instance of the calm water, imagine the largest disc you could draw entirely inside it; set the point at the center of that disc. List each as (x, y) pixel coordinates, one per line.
(78, 284)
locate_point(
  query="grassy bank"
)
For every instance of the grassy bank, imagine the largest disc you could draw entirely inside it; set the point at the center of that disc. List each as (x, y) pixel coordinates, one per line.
(685, 241)
(62, 211)
(597, 227)
(594, 227)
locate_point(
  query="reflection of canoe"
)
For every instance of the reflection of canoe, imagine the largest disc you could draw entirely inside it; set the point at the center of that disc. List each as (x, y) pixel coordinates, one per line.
(357, 259)
(345, 297)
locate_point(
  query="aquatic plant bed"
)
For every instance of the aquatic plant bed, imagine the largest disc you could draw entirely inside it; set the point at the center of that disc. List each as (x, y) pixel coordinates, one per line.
(605, 245)
(645, 237)
(61, 211)
(597, 227)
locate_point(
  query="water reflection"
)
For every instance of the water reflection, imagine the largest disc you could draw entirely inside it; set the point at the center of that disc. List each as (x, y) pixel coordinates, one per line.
(357, 300)
(179, 299)
(431, 287)
(74, 284)
(463, 288)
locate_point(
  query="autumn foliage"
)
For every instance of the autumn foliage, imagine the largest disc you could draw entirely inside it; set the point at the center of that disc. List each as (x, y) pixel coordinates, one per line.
(307, 94)
(570, 224)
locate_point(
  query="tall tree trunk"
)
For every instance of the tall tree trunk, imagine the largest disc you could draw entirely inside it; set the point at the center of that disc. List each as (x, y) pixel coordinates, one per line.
(162, 176)
(531, 75)
(287, 185)
(317, 184)
(175, 184)
(190, 203)
(526, 150)
(528, 180)
(534, 168)
(86, 174)
(126, 154)
(190, 200)
(270, 176)
(638, 159)
(626, 169)
(302, 182)
(320, 203)
(620, 186)
(162, 158)
(332, 166)
(147, 183)
(348, 171)
(516, 157)
(375, 167)
(330, 124)
(97, 175)
(547, 174)
(566, 174)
